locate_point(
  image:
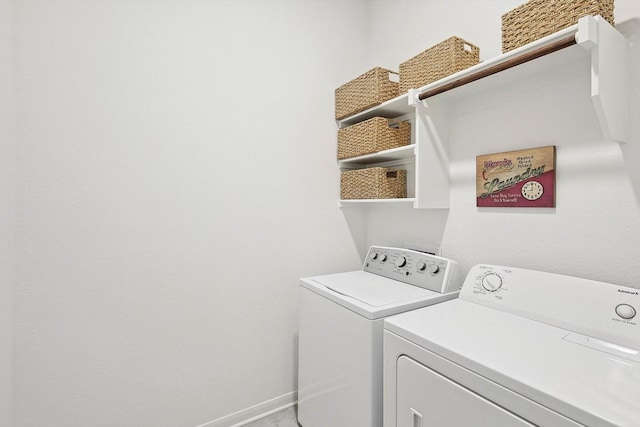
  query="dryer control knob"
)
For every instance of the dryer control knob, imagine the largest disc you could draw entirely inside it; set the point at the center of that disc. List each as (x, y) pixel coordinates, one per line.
(626, 311)
(420, 266)
(433, 268)
(374, 255)
(492, 282)
(383, 257)
(401, 261)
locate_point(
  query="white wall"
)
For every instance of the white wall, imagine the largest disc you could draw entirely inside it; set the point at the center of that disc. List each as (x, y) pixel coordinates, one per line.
(594, 231)
(175, 176)
(7, 205)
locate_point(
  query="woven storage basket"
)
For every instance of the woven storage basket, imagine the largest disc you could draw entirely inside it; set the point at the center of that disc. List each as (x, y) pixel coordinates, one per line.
(445, 58)
(368, 90)
(539, 18)
(373, 183)
(371, 136)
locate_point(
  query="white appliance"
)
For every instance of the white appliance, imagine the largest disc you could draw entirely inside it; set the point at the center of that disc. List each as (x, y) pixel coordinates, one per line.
(341, 325)
(517, 348)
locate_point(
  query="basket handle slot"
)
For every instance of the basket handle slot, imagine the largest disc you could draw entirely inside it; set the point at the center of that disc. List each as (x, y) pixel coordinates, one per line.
(394, 77)
(395, 123)
(392, 174)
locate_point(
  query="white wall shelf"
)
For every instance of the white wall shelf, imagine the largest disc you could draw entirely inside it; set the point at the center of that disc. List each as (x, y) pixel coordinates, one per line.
(390, 109)
(409, 201)
(592, 39)
(394, 154)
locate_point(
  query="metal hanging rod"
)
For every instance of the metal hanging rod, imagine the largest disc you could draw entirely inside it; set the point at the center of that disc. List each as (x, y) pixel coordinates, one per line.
(525, 57)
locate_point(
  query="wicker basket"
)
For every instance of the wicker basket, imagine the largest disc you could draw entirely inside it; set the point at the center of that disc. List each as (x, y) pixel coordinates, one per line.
(441, 60)
(371, 136)
(539, 18)
(373, 183)
(368, 90)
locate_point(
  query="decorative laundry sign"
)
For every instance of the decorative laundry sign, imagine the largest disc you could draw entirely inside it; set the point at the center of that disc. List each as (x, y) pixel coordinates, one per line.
(516, 179)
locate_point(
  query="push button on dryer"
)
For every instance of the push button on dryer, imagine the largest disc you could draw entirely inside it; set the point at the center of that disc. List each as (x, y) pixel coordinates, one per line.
(626, 311)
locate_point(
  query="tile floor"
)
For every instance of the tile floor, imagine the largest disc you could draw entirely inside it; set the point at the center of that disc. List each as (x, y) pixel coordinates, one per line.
(286, 418)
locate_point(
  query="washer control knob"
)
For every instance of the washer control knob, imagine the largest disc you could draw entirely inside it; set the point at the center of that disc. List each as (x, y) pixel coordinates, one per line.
(434, 268)
(492, 282)
(420, 266)
(374, 255)
(626, 311)
(401, 261)
(383, 257)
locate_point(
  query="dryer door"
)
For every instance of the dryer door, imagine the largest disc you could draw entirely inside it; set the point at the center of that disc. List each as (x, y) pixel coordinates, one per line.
(427, 399)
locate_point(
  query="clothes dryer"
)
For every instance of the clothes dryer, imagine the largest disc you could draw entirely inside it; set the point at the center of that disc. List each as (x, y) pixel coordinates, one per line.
(341, 325)
(517, 348)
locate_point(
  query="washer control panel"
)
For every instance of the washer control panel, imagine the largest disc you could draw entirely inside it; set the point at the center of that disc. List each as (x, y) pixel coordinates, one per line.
(593, 308)
(414, 267)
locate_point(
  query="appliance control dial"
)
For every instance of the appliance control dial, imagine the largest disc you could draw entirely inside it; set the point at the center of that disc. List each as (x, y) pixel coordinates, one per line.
(626, 311)
(401, 261)
(374, 255)
(434, 268)
(492, 282)
(420, 266)
(383, 257)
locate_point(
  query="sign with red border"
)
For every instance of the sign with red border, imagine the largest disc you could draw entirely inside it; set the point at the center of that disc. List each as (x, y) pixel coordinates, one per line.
(517, 179)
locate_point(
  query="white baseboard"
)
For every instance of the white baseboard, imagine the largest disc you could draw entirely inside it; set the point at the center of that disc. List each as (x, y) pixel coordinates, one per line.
(255, 412)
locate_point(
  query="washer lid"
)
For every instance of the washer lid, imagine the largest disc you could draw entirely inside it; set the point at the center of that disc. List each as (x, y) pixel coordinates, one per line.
(371, 289)
(371, 295)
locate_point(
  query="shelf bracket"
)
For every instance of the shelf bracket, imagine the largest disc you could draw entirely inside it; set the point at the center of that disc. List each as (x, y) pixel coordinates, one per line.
(432, 154)
(424, 107)
(415, 101)
(609, 74)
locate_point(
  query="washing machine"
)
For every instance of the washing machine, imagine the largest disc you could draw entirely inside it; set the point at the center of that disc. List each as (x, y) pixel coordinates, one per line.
(517, 348)
(341, 326)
